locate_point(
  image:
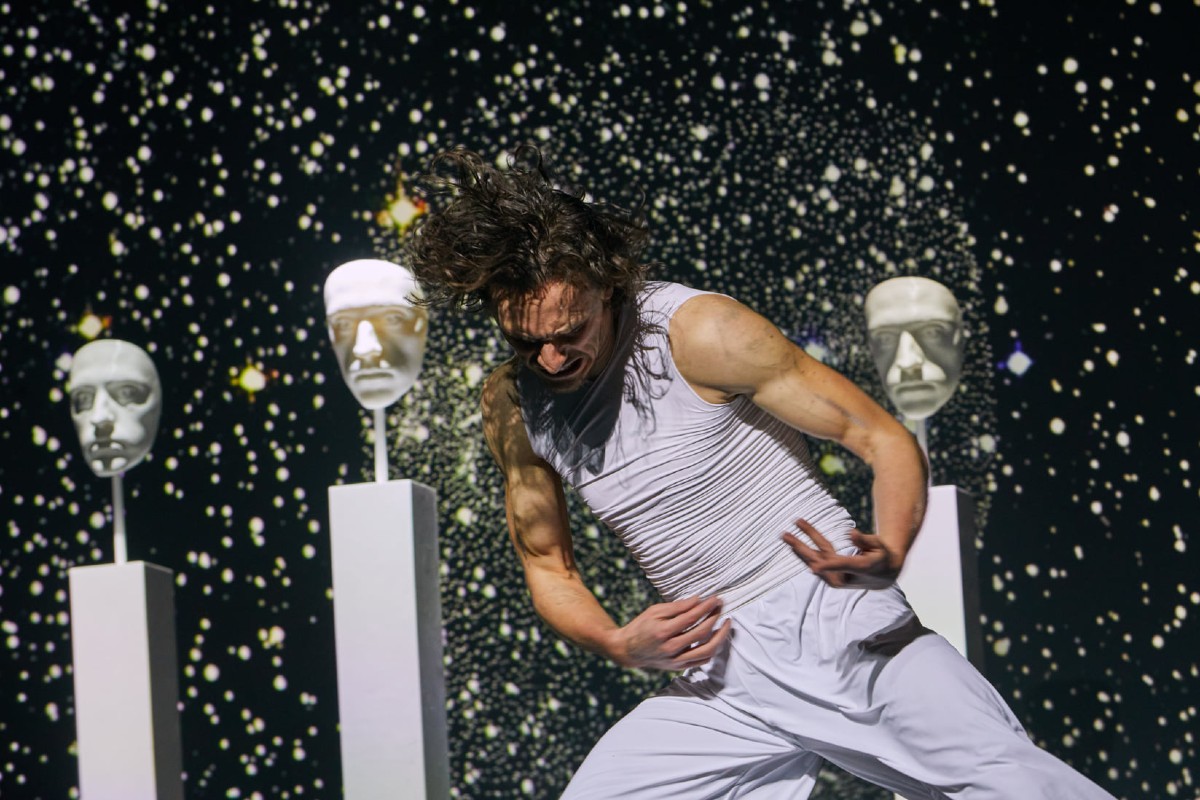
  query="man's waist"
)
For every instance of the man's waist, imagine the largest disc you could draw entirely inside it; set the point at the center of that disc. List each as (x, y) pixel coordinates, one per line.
(746, 585)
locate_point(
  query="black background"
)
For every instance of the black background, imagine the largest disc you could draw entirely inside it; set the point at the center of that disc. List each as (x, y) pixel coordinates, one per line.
(189, 174)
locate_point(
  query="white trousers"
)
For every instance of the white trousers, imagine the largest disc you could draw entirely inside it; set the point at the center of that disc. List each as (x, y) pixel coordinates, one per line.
(815, 674)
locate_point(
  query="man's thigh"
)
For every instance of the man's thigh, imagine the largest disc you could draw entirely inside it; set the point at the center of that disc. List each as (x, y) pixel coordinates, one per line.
(683, 747)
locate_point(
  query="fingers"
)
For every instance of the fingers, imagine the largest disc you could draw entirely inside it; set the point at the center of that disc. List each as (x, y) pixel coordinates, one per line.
(696, 643)
(693, 630)
(814, 559)
(693, 634)
(669, 634)
(703, 652)
(803, 550)
(867, 570)
(666, 630)
(814, 534)
(691, 613)
(811, 556)
(826, 563)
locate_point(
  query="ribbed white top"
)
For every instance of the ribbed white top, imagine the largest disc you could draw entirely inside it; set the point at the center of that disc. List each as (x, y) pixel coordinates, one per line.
(698, 492)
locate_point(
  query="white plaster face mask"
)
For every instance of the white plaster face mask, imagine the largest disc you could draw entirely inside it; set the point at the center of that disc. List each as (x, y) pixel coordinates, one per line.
(116, 402)
(915, 330)
(378, 334)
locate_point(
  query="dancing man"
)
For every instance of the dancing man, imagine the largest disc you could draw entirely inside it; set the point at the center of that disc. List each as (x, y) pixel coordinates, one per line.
(680, 417)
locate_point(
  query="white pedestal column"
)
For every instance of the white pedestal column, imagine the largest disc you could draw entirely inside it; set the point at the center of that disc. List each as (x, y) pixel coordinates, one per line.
(126, 684)
(941, 573)
(388, 632)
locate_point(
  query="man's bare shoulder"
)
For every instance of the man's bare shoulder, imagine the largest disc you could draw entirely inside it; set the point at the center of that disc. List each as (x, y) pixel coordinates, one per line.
(701, 320)
(500, 390)
(722, 345)
(503, 425)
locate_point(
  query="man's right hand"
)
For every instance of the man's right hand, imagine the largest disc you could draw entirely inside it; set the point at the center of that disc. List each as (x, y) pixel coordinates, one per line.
(671, 636)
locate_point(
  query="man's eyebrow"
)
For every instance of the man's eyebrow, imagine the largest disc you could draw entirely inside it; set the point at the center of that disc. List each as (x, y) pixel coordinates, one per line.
(522, 337)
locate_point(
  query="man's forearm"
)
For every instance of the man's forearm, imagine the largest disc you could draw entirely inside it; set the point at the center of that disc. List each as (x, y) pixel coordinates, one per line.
(569, 607)
(899, 492)
(668, 636)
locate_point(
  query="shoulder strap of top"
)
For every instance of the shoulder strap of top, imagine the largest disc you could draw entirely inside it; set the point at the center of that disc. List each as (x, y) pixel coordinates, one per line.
(662, 299)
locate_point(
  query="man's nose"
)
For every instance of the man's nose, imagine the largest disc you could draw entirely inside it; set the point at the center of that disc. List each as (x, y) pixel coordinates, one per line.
(366, 341)
(551, 358)
(908, 353)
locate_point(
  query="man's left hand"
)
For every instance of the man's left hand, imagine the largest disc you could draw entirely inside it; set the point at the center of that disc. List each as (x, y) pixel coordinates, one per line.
(873, 567)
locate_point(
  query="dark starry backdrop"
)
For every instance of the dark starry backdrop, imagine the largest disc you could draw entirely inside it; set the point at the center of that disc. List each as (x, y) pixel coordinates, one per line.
(184, 175)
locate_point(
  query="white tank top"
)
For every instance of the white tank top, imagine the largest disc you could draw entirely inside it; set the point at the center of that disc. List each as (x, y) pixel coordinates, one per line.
(698, 492)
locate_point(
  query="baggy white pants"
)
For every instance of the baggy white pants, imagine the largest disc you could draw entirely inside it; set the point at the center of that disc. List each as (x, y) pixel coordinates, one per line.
(815, 673)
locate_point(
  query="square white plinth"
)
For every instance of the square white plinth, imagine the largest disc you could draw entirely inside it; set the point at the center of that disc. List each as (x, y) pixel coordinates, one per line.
(126, 684)
(388, 631)
(941, 573)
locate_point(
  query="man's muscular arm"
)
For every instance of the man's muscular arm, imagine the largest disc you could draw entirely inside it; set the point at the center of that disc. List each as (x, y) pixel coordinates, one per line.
(724, 349)
(668, 636)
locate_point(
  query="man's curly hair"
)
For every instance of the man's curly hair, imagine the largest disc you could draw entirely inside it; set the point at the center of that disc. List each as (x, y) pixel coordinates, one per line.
(507, 233)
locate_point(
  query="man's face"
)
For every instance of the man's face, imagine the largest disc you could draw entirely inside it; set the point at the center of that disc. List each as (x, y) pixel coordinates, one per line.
(116, 401)
(915, 331)
(377, 333)
(563, 334)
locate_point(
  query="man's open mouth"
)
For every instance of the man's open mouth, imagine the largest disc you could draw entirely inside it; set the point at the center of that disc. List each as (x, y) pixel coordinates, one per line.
(567, 373)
